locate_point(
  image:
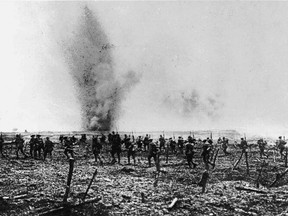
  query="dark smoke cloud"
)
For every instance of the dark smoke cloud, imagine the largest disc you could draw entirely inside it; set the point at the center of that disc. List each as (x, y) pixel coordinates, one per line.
(193, 104)
(90, 59)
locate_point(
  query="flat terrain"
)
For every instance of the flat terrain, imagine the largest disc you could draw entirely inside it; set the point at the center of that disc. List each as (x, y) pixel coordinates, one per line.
(31, 187)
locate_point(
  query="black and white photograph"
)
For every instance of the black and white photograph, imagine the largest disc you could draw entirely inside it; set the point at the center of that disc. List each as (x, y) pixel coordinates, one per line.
(143, 108)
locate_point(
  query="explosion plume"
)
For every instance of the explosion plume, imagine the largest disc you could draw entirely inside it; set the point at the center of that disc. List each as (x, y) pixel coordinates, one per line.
(91, 62)
(91, 65)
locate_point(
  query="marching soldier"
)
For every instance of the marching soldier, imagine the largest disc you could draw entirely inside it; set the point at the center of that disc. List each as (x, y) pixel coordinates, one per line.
(96, 148)
(73, 139)
(39, 146)
(225, 142)
(281, 145)
(189, 152)
(173, 145)
(180, 144)
(116, 147)
(131, 150)
(219, 141)
(244, 146)
(32, 145)
(103, 140)
(83, 138)
(146, 142)
(19, 146)
(61, 139)
(68, 147)
(207, 147)
(48, 147)
(153, 152)
(262, 145)
(162, 142)
(139, 143)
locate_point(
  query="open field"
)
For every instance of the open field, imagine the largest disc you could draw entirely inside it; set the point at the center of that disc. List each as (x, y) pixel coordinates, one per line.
(31, 187)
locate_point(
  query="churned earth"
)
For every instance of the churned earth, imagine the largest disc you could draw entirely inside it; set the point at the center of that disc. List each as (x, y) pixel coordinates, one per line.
(33, 187)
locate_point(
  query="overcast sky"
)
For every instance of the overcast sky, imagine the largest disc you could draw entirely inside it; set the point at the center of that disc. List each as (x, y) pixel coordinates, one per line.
(203, 65)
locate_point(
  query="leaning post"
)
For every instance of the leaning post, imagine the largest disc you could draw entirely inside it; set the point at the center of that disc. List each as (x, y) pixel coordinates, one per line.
(71, 166)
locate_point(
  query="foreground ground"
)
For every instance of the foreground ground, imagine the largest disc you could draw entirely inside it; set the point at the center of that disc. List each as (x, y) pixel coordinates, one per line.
(31, 187)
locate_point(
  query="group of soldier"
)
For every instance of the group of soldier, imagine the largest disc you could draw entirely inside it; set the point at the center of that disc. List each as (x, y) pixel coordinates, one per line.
(154, 149)
(40, 149)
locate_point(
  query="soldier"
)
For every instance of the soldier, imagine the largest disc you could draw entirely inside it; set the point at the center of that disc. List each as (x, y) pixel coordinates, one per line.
(168, 149)
(207, 147)
(190, 139)
(244, 146)
(110, 137)
(1, 145)
(103, 139)
(68, 147)
(61, 139)
(219, 141)
(172, 145)
(261, 145)
(73, 139)
(146, 142)
(39, 146)
(19, 145)
(153, 152)
(225, 142)
(162, 142)
(116, 147)
(125, 140)
(83, 138)
(131, 150)
(96, 148)
(189, 152)
(180, 144)
(139, 143)
(32, 145)
(281, 145)
(48, 147)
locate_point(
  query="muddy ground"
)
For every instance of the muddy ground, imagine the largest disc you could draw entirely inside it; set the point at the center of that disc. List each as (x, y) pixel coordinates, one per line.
(31, 187)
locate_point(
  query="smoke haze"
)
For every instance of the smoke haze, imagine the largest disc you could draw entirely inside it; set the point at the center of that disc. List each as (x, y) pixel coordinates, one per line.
(163, 66)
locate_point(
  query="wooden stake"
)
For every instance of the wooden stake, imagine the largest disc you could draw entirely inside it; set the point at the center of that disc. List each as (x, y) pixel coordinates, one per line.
(278, 177)
(203, 181)
(215, 157)
(247, 164)
(286, 154)
(94, 174)
(259, 174)
(71, 166)
(238, 161)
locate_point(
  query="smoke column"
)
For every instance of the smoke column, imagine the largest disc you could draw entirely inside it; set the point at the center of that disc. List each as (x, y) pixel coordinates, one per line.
(90, 59)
